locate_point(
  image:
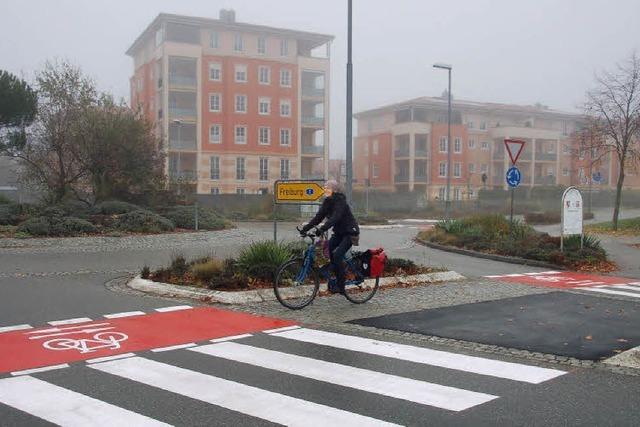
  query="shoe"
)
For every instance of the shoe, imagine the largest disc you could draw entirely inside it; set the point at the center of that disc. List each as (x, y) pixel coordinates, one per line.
(333, 287)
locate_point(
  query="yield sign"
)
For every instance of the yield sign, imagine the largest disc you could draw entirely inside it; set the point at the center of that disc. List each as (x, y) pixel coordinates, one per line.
(514, 148)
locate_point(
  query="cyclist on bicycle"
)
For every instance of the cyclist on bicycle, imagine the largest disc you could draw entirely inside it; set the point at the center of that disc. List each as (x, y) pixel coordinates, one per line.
(345, 229)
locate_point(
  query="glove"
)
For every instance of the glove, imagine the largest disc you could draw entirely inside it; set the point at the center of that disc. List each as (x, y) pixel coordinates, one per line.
(319, 232)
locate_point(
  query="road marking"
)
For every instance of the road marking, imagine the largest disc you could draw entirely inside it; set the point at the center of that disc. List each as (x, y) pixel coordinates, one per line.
(234, 337)
(611, 292)
(174, 308)
(286, 328)
(70, 321)
(15, 328)
(125, 314)
(36, 370)
(274, 407)
(173, 347)
(422, 392)
(460, 362)
(65, 407)
(108, 358)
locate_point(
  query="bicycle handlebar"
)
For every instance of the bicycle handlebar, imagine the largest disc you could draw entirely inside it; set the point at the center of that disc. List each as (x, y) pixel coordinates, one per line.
(313, 237)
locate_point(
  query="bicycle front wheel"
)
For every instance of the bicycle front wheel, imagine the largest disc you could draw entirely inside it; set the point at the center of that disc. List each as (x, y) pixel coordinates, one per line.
(361, 292)
(295, 288)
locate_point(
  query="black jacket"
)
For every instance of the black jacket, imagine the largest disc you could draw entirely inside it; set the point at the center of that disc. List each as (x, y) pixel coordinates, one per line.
(338, 214)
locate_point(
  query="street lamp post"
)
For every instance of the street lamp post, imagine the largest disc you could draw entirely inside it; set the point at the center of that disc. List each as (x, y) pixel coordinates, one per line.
(349, 164)
(448, 194)
(178, 172)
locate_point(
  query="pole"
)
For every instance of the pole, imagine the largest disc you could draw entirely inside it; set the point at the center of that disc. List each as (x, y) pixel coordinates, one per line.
(448, 201)
(179, 173)
(196, 214)
(349, 147)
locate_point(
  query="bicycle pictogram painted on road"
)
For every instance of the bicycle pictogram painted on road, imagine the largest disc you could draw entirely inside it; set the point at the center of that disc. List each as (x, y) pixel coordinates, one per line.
(74, 338)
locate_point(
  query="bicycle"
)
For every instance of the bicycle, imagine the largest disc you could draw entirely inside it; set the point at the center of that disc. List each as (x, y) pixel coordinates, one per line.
(298, 280)
(110, 340)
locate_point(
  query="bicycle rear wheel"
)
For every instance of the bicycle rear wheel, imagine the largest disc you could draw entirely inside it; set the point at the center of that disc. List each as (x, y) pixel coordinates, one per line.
(293, 289)
(361, 292)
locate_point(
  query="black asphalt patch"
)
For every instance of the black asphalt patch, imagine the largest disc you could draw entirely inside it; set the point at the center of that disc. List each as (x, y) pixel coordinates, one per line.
(561, 323)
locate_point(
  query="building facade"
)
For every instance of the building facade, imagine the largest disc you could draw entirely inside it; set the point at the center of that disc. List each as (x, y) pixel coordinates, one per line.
(403, 147)
(236, 105)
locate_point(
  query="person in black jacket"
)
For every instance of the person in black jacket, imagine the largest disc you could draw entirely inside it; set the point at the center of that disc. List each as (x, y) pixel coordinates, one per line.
(345, 229)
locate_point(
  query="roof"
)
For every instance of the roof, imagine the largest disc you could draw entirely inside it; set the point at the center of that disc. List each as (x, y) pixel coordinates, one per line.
(314, 39)
(461, 104)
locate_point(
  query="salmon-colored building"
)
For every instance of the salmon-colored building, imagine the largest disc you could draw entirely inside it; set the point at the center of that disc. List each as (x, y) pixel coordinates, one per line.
(237, 105)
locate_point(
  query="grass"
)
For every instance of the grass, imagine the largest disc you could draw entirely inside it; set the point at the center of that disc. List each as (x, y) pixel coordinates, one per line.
(629, 226)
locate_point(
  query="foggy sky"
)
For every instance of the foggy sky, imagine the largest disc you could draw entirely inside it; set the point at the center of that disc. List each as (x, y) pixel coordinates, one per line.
(513, 51)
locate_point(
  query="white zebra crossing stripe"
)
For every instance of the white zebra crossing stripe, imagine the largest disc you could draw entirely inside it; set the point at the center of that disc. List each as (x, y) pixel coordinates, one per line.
(611, 292)
(249, 400)
(460, 362)
(627, 287)
(65, 407)
(422, 392)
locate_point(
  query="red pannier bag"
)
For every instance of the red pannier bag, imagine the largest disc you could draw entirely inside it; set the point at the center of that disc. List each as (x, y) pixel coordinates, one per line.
(378, 260)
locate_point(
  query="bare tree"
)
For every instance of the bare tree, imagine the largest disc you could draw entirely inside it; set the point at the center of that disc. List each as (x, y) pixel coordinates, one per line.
(613, 120)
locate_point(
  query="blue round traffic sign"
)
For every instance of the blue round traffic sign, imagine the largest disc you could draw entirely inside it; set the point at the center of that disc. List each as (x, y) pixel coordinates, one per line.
(513, 177)
(309, 191)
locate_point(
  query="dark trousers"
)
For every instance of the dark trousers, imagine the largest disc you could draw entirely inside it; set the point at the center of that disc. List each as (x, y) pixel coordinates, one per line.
(338, 246)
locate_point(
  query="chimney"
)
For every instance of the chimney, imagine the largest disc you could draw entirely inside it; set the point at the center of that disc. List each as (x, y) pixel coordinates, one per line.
(228, 15)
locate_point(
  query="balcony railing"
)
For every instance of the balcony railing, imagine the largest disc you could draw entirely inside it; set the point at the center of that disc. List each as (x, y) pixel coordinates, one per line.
(313, 120)
(546, 157)
(175, 144)
(182, 112)
(420, 178)
(312, 92)
(402, 178)
(313, 149)
(401, 153)
(183, 175)
(422, 153)
(182, 81)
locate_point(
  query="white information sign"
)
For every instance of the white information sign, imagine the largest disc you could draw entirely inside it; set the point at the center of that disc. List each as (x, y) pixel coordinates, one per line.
(571, 212)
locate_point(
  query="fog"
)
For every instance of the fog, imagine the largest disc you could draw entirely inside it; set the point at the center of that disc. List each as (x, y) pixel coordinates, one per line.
(501, 50)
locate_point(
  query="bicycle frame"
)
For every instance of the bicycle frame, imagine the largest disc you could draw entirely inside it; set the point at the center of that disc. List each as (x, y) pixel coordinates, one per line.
(309, 259)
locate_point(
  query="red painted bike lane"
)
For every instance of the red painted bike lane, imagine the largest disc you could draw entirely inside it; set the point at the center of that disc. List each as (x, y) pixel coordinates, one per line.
(565, 279)
(47, 346)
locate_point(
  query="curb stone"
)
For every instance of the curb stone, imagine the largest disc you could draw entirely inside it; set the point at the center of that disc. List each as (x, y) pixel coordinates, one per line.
(262, 295)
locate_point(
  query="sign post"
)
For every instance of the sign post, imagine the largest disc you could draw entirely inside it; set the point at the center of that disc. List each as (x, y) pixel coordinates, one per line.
(571, 215)
(514, 148)
(294, 192)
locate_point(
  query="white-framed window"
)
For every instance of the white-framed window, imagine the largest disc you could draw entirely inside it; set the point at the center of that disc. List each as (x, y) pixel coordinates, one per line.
(241, 103)
(472, 167)
(215, 71)
(551, 148)
(264, 136)
(442, 169)
(264, 75)
(241, 135)
(240, 190)
(241, 73)
(457, 194)
(565, 171)
(285, 108)
(483, 125)
(214, 40)
(442, 193)
(485, 145)
(214, 164)
(376, 171)
(284, 47)
(214, 102)
(470, 125)
(457, 170)
(285, 136)
(443, 144)
(457, 145)
(550, 170)
(215, 134)
(284, 168)
(484, 168)
(262, 46)
(264, 169)
(240, 171)
(285, 78)
(472, 144)
(565, 149)
(264, 106)
(376, 147)
(238, 43)
(215, 190)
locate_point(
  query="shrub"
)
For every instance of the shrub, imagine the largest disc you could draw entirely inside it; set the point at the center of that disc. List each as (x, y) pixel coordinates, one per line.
(146, 272)
(542, 217)
(114, 207)
(399, 263)
(141, 221)
(262, 259)
(184, 217)
(9, 214)
(74, 208)
(370, 219)
(56, 226)
(4, 200)
(179, 266)
(206, 270)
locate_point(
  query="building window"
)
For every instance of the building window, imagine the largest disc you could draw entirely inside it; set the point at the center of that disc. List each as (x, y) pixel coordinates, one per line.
(264, 168)
(442, 193)
(457, 145)
(443, 144)
(565, 149)
(550, 171)
(470, 125)
(239, 190)
(376, 148)
(241, 73)
(241, 135)
(284, 168)
(285, 108)
(214, 40)
(264, 75)
(442, 169)
(285, 78)
(215, 72)
(457, 194)
(264, 136)
(484, 168)
(238, 43)
(483, 125)
(240, 172)
(551, 148)
(215, 191)
(264, 106)
(285, 136)
(581, 154)
(214, 102)
(472, 144)
(472, 167)
(215, 167)
(485, 145)
(565, 171)
(262, 45)
(215, 134)
(284, 47)
(376, 171)
(241, 103)
(457, 167)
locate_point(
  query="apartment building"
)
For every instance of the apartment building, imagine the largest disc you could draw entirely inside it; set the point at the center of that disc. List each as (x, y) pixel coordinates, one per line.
(404, 147)
(236, 105)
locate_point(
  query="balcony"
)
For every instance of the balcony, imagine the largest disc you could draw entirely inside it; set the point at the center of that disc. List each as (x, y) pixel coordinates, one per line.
(422, 153)
(176, 144)
(182, 81)
(402, 153)
(402, 178)
(421, 178)
(546, 157)
(313, 150)
(312, 92)
(184, 175)
(186, 113)
(313, 121)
